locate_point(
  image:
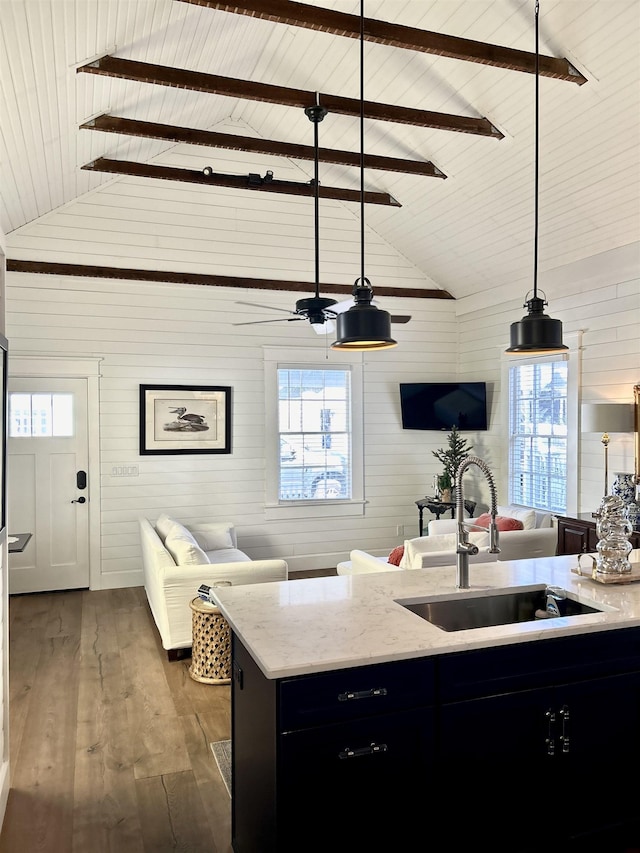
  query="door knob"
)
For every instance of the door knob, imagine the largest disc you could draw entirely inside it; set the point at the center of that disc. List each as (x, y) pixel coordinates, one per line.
(79, 501)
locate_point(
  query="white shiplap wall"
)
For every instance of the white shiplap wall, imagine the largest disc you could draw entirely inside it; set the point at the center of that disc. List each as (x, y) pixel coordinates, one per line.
(184, 335)
(168, 334)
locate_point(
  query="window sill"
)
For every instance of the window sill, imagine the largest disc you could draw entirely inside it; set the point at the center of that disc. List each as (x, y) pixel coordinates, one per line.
(313, 509)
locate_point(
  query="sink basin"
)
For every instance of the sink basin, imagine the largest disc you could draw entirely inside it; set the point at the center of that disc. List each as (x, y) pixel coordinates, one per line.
(500, 608)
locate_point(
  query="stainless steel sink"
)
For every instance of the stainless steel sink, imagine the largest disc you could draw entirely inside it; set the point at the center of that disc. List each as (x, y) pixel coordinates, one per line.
(500, 608)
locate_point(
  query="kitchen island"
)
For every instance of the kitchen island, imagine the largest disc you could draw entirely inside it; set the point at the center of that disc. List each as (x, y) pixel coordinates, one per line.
(357, 723)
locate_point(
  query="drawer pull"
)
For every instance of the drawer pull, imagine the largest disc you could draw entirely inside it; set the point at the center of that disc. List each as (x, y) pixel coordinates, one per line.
(363, 750)
(362, 694)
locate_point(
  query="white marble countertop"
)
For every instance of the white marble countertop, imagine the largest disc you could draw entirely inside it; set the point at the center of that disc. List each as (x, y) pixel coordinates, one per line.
(319, 624)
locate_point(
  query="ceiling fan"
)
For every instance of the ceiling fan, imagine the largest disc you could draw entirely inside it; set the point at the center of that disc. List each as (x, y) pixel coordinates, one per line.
(320, 311)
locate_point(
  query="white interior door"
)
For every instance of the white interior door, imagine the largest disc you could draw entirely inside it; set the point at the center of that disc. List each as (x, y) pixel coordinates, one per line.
(47, 452)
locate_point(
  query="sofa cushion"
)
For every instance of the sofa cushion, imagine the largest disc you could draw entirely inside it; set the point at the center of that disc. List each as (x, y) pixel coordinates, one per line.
(164, 524)
(227, 555)
(503, 522)
(414, 548)
(526, 516)
(214, 538)
(183, 547)
(396, 555)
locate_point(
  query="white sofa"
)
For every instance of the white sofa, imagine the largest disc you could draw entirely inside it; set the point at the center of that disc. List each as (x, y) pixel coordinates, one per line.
(539, 538)
(177, 559)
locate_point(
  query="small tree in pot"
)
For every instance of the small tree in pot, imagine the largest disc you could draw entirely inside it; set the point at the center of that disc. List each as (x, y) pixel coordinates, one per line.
(451, 458)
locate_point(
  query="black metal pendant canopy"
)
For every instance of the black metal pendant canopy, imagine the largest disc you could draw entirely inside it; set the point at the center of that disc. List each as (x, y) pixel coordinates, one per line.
(363, 326)
(536, 332)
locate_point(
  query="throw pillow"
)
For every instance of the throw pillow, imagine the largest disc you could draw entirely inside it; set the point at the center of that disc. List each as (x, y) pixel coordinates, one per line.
(213, 537)
(164, 524)
(503, 522)
(526, 516)
(396, 555)
(183, 548)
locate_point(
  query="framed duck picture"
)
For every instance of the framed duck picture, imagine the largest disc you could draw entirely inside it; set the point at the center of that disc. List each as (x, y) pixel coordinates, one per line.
(185, 419)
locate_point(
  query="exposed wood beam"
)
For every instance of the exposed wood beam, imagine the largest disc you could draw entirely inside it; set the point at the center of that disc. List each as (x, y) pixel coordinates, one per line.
(198, 81)
(241, 182)
(213, 139)
(87, 270)
(397, 35)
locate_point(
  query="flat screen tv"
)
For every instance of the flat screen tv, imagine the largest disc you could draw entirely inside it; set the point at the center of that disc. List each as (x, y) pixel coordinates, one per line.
(442, 405)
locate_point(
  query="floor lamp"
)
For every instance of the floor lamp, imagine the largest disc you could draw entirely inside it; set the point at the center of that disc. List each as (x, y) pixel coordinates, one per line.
(606, 418)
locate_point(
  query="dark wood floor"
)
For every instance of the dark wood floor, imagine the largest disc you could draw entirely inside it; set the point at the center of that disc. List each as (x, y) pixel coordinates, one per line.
(109, 742)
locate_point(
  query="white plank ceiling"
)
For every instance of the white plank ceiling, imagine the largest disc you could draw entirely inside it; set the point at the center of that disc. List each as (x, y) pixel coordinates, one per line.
(465, 234)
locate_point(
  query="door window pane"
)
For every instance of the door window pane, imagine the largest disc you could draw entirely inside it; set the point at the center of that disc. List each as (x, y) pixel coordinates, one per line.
(40, 415)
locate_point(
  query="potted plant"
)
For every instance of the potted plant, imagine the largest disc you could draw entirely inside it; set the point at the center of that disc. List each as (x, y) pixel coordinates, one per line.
(451, 457)
(444, 487)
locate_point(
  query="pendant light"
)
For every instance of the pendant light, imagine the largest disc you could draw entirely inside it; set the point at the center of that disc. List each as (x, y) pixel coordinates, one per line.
(363, 326)
(537, 332)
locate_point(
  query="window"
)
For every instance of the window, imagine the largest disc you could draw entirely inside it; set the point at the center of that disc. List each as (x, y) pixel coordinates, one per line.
(313, 434)
(40, 415)
(314, 425)
(538, 434)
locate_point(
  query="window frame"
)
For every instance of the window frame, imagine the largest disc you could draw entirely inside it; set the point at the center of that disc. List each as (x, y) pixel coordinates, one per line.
(573, 359)
(304, 359)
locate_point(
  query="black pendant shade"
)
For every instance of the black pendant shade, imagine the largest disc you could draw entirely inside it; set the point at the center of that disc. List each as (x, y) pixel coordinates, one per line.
(536, 332)
(364, 327)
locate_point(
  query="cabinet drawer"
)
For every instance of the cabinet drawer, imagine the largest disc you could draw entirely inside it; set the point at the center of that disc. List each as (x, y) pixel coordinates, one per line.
(372, 776)
(357, 692)
(542, 663)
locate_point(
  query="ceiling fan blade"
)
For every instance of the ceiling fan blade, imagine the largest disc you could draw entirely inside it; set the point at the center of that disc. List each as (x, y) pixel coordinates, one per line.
(270, 307)
(400, 318)
(279, 320)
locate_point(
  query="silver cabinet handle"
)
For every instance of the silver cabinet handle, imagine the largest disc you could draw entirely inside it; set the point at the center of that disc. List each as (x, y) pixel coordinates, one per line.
(372, 749)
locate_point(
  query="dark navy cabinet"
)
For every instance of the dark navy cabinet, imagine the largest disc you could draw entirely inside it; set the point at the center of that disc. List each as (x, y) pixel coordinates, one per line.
(324, 762)
(521, 747)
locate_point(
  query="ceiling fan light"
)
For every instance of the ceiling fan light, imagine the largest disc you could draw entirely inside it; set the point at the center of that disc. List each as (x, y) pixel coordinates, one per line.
(536, 332)
(363, 327)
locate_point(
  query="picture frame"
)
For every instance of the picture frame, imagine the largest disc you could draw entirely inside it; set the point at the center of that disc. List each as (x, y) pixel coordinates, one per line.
(176, 419)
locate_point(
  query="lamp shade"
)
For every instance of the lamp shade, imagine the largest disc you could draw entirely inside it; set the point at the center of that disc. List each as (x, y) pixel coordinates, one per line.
(607, 417)
(363, 327)
(536, 332)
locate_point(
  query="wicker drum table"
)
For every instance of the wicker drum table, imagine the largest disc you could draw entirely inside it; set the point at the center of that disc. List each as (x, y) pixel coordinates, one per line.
(210, 644)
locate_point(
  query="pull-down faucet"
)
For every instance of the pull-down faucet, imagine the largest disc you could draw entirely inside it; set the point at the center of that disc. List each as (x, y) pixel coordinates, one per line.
(463, 546)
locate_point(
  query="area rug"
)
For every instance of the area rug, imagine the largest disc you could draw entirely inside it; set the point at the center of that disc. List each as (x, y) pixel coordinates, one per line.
(222, 753)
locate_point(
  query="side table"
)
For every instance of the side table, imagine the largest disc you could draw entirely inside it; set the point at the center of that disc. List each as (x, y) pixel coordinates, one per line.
(210, 644)
(440, 507)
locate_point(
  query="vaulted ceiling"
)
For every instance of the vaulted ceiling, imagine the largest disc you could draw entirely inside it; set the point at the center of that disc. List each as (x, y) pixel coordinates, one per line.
(97, 90)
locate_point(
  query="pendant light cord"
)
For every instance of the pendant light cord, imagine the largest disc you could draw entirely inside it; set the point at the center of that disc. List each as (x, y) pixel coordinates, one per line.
(315, 114)
(536, 158)
(316, 181)
(362, 278)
